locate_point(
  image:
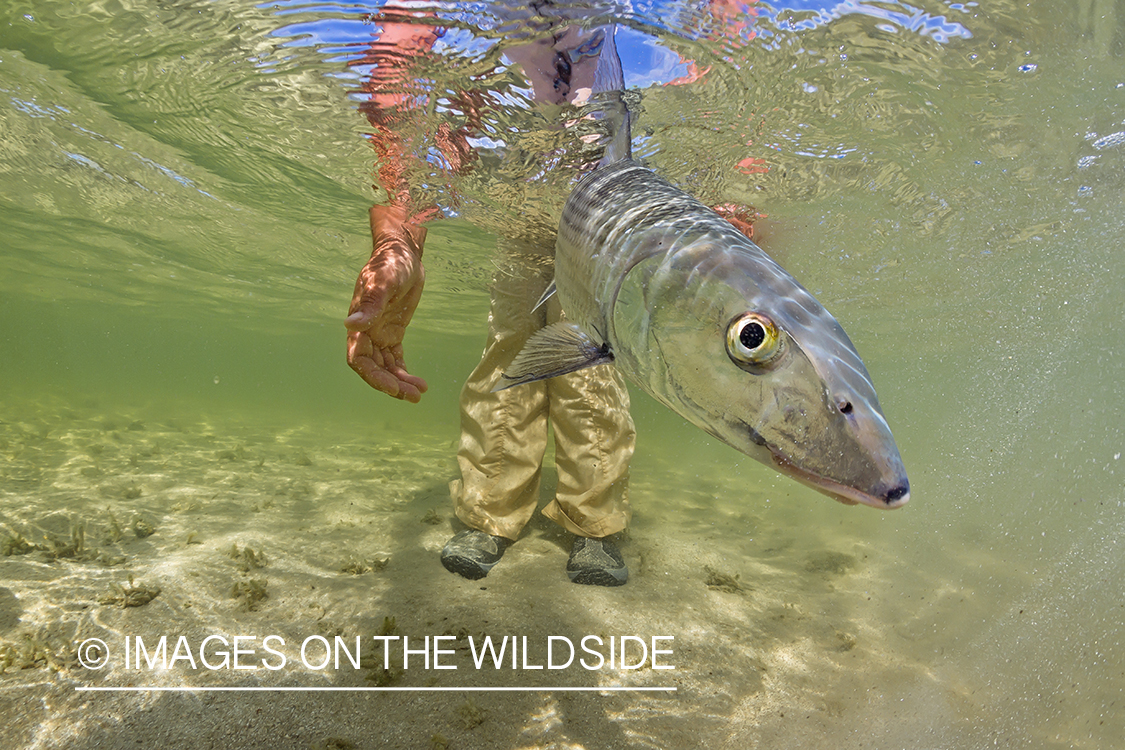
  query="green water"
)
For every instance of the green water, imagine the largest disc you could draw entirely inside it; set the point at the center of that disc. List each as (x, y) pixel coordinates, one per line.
(183, 212)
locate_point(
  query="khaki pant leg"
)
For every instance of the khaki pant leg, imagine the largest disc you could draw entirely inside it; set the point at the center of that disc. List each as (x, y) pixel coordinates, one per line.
(504, 434)
(594, 441)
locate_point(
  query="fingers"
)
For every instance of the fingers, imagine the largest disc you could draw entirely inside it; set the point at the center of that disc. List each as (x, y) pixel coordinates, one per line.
(383, 370)
(411, 392)
(411, 387)
(359, 320)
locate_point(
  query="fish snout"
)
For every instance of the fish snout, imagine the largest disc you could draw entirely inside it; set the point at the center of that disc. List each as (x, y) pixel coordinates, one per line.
(895, 494)
(855, 462)
(884, 481)
(879, 475)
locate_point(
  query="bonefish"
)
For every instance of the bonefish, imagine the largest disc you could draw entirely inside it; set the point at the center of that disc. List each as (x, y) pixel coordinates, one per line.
(698, 316)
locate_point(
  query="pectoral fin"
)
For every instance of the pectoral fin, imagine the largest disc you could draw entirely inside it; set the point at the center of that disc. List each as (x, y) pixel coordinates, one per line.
(555, 350)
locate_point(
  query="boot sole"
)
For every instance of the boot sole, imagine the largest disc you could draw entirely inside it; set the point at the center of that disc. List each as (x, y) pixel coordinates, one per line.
(465, 567)
(599, 577)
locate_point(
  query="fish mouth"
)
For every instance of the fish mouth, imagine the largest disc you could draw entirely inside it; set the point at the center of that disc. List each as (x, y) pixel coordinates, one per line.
(894, 497)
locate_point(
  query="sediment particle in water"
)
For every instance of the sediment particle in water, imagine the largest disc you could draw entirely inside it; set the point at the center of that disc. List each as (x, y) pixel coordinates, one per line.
(334, 743)
(237, 454)
(380, 676)
(30, 652)
(356, 566)
(717, 579)
(143, 528)
(115, 530)
(59, 549)
(106, 558)
(296, 490)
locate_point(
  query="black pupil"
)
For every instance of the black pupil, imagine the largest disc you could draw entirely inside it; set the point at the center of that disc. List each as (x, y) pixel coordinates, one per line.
(752, 335)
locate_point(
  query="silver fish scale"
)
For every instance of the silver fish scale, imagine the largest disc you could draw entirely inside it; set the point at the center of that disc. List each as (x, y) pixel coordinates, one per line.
(598, 241)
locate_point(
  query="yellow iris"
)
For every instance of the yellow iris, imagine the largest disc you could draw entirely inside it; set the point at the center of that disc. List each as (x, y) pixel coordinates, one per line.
(753, 339)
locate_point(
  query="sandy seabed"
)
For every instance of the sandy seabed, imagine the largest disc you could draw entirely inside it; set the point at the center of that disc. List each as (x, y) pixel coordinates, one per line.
(131, 525)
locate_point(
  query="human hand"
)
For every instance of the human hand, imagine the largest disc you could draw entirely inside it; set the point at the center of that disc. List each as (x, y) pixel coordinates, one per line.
(386, 295)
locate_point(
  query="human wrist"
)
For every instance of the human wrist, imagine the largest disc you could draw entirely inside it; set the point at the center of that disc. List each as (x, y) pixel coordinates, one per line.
(391, 232)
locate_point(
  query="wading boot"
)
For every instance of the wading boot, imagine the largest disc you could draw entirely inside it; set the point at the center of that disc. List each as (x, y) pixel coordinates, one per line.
(596, 562)
(473, 553)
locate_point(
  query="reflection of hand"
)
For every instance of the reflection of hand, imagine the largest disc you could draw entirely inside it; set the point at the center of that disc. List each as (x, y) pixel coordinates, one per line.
(742, 217)
(386, 295)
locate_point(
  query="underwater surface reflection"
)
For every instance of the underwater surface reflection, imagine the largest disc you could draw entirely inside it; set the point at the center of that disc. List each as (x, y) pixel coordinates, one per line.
(183, 451)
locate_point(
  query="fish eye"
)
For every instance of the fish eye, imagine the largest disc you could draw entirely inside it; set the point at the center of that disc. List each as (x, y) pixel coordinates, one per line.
(753, 339)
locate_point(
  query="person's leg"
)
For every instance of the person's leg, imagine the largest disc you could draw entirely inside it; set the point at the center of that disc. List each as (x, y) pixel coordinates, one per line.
(503, 434)
(594, 442)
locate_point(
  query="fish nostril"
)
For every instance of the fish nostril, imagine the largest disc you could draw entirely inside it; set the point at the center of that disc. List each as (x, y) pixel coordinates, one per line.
(897, 492)
(844, 406)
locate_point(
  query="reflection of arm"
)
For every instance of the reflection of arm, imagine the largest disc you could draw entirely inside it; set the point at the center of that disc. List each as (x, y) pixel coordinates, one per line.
(393, 98)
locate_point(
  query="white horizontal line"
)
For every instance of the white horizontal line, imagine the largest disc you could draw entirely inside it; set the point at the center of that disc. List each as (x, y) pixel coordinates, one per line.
(165, 689)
